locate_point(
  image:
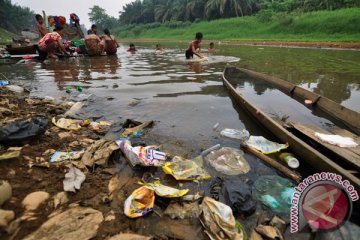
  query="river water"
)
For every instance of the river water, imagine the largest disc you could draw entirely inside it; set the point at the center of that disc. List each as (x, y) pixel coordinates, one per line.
(187, 99)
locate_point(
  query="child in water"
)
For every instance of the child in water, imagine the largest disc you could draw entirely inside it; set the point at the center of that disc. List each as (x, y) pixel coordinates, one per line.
(194, 47)
(211, 48)
(132, 48)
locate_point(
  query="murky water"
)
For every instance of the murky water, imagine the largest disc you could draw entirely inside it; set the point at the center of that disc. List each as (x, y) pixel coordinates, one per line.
(184, 97)
(187, 99)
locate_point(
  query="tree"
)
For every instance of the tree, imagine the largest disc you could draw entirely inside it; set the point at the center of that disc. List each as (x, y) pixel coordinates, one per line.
(15, 18)
(98, 16)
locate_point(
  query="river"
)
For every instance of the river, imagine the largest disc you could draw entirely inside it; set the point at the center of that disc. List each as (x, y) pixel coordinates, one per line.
(187, 99)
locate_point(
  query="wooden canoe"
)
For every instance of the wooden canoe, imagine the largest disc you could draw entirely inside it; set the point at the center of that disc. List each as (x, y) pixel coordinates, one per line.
(304, 151)
(336, 111)
(21, 50)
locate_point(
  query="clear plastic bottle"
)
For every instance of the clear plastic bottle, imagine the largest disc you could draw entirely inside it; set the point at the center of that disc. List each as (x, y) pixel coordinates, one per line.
(290, 160)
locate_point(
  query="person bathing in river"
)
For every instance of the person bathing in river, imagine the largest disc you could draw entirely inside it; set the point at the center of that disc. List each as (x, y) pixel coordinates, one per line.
(93, 30)
(211, 48)
(132, 48)
(194, 47)
(40, 24)
(51, 43)
(111, 44)
(95, 45)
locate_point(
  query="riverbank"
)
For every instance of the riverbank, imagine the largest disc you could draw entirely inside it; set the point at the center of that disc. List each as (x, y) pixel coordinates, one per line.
(305, 29)
(38, 207)
(297, 44)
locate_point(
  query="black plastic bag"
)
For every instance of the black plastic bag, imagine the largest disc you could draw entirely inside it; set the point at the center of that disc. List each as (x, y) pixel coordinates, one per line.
(22, 130)
(234, 193)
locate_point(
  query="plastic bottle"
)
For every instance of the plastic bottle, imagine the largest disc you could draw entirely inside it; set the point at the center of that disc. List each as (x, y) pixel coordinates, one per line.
(213, 148)
(234, 133)
(290, 159)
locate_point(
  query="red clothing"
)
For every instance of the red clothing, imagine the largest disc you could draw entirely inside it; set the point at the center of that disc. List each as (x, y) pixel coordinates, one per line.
(49, 38)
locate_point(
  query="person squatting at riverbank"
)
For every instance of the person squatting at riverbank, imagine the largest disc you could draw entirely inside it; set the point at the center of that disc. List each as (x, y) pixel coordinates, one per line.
(52, 43)
(111, 44)
(194, 47)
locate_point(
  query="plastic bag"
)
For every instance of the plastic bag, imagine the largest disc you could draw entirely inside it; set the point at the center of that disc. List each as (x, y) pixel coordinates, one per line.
(184, 169)
(10, 153)
(218, 220)
(229, 161)
(144, 156)
(132, 127)
(265, 146)
(234, 193)
(165, 191)
(336, 140)
(139, 203)
(64, 156)
(22, 130)
(73, 180)
(275, 192)
(67, 124)
(234, 133)
(99, 153)
(4, 83)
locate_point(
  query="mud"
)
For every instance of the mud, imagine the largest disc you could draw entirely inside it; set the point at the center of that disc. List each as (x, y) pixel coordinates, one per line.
(32, 172)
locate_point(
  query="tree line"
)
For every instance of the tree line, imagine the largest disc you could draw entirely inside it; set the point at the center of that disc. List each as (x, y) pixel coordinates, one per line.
(150, 11)
(15, 18)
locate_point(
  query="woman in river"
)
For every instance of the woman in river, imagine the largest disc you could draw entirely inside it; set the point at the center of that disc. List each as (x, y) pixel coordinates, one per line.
(51, 43)
(111, 44)
(94, 45)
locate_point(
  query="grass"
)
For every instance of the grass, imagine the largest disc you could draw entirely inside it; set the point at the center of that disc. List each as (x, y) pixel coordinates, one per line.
(341, 25)
(5, 36)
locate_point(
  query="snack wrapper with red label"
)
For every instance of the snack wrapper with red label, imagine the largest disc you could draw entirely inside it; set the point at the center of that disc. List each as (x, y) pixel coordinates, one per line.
(144, 156)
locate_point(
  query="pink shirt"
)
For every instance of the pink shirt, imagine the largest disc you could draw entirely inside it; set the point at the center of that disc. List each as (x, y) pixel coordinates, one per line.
(53, 36)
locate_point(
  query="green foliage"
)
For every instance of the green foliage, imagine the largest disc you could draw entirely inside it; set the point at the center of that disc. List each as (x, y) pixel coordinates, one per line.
(338, 25)
(148, 11)
(98, 16)
(5, 36)
(15, 18)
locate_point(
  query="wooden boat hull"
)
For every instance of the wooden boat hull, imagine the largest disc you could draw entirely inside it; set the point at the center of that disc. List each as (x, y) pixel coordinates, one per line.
(347, 116)
(21, 50)
(299, 147)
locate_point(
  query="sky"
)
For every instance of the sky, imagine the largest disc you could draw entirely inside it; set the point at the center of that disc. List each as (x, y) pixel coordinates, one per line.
(80, 7)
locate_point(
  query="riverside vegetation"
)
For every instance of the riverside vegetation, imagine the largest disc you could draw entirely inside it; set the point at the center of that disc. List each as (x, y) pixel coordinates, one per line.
(342, 25)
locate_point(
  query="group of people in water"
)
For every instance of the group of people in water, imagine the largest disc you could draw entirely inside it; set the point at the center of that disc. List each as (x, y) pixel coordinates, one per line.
(51, 43)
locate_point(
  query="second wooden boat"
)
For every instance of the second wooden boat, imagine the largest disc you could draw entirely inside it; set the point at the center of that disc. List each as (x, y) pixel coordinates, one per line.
(303, 150)
(348, 117)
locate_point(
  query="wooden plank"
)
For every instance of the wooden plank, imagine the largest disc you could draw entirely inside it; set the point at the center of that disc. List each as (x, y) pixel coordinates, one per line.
(299, 147)
(278, 166)
(351, 155)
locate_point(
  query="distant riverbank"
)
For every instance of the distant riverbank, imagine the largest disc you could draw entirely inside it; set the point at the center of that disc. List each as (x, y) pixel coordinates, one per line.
(339, 28)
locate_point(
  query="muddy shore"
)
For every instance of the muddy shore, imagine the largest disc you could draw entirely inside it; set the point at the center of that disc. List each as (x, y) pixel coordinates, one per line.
(98, 206)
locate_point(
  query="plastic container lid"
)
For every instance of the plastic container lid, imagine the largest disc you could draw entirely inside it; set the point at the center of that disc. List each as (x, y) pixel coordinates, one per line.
(293, 163)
